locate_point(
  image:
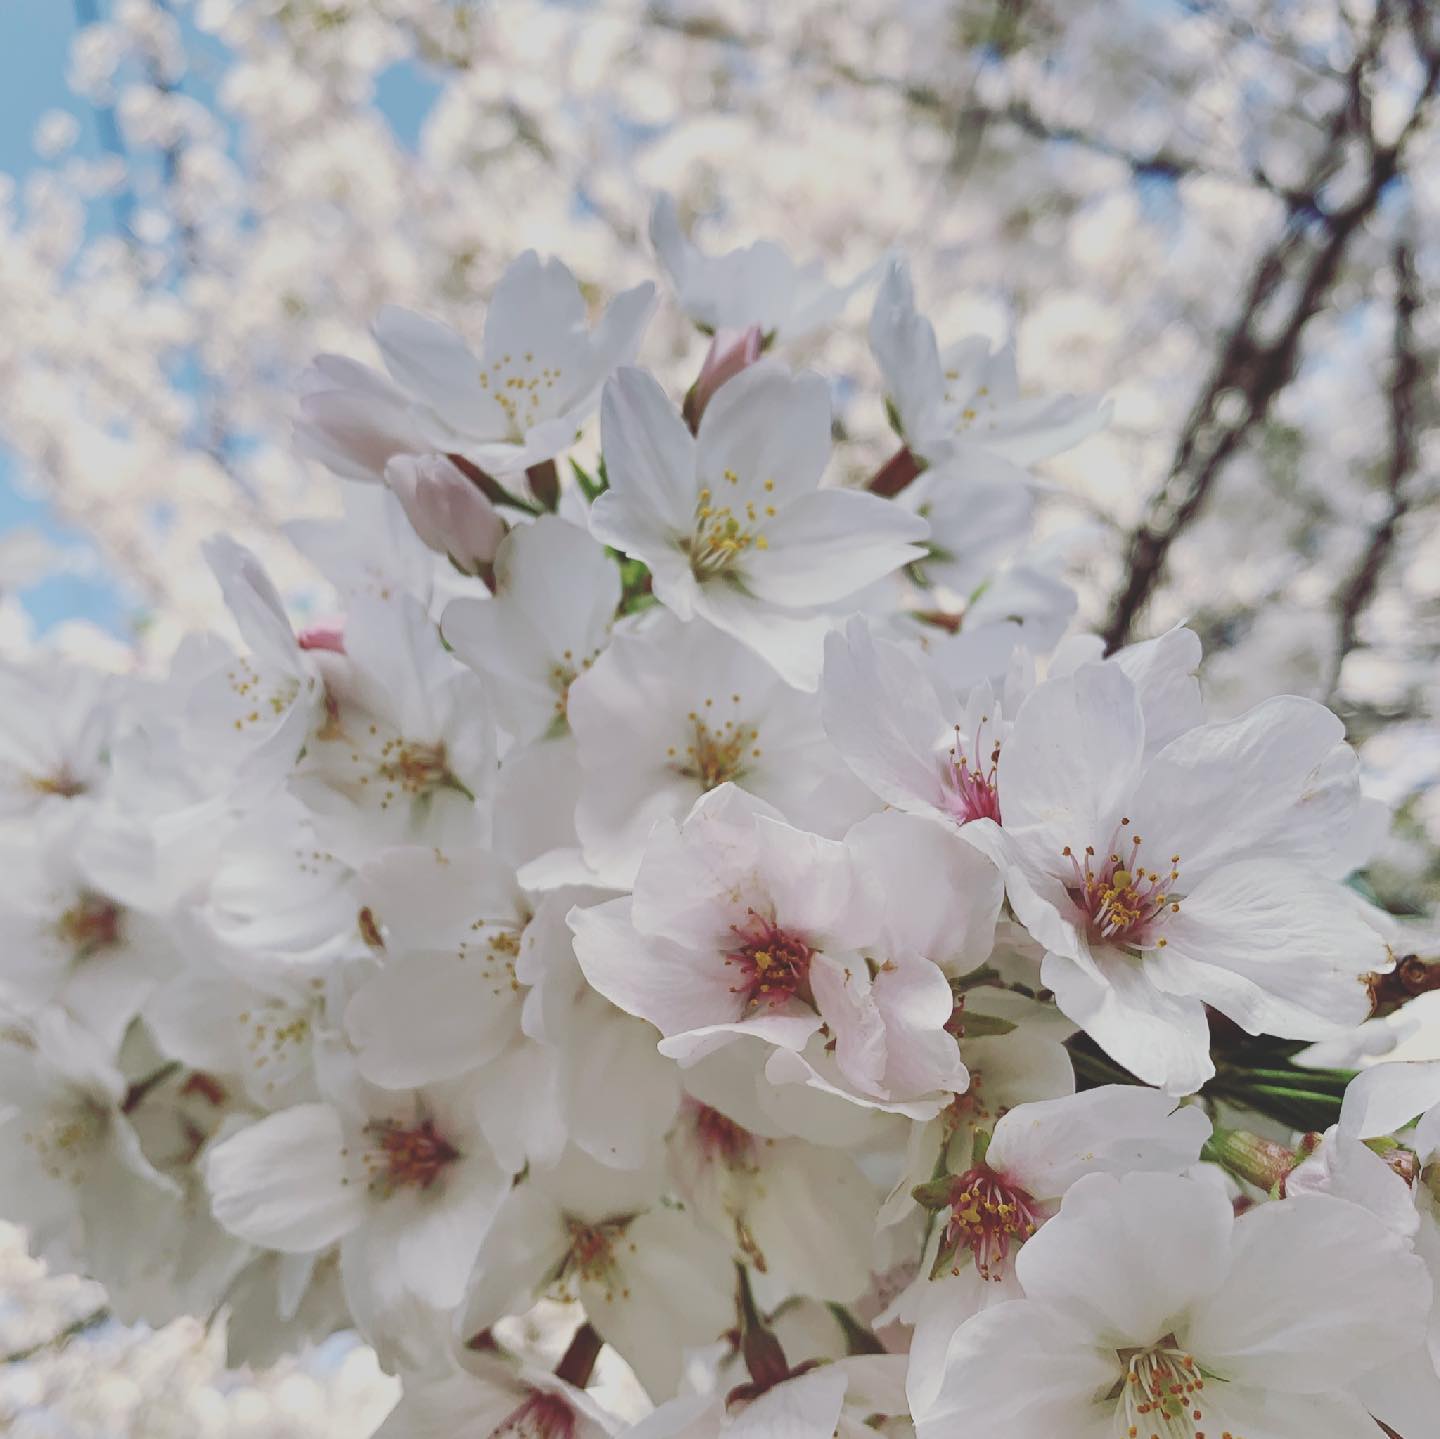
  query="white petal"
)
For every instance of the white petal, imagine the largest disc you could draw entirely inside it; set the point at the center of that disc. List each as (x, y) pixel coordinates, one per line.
(803, 1408)
(765, 424)
(792, 642)
(431, 1017)
(672, 1291)
(1275, 1322)
(1345, 1168)
(1277, 948)
(825, 546)
(431, 361)
(943, 895)
(885, 713)
(1115, 1129)
(1278, 781)
(1387, 1097)
(1070, 764)
(283, 1183)
(1018, 1371)
(903, 342)
(1163, 673)
(649, 454)
(677, 989)
(1160, 1038)
(1125, 1256)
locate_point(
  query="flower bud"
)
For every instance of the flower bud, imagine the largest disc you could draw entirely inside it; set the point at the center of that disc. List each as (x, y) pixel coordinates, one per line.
(323, 635)
(730, 352)
(449, 514)
(1258, 1161)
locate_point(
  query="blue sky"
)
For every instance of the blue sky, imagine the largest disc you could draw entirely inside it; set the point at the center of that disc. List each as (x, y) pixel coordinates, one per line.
(34, 46)
(34, 43)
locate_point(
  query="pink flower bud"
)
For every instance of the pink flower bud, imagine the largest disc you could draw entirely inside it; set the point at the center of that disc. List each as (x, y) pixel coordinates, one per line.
(730, 352)
(448, 512)
(324, 635)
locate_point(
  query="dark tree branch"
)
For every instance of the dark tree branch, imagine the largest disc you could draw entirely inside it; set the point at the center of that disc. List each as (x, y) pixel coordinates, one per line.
(1259, 356)
(1356, 593)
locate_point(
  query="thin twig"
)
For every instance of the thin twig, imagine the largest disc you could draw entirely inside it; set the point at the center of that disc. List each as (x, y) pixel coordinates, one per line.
(1258, 358)
(1356, 593)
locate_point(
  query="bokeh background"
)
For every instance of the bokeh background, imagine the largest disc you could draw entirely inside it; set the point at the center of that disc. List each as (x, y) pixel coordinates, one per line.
(1223, 213)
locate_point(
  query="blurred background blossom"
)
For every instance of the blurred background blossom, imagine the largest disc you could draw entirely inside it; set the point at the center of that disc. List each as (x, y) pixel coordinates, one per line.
(1224, 213)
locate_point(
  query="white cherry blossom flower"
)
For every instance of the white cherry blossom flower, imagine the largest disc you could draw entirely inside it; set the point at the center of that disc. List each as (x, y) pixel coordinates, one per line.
(742, 926)
(671, 711)
(926, 748)
(1233, 1328)
(523, 399)
(71, 1166)
(555, 598)
(801, 1213)
(56, 721)
(1201, 875)
(653, 1282)
(758, 286)
(444, 999)
(1372, 1157)
(948, 402)
(252, 712)
(1017, 1176)
(404, 1181)
(66, 940)
(731, 521)
(405, 752)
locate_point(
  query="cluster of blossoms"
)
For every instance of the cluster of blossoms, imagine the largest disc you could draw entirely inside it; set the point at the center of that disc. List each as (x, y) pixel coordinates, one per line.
(730, 905)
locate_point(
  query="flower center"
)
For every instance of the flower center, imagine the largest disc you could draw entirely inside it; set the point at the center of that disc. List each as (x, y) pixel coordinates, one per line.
(989, 1214)
(64, 1139)
(969, 778)
(1163, 1394)
(60, 785)
(1124, 903)
(541, 1416)
(721, 1138)
(772, 965)
(406, 1158)
(563, 673)
(717, 752)
(520, 387)
(278, 1039)
(592, 1254)
(90, 925)
(415, 768)
(968, 411)
(268, 697)
(721, 535)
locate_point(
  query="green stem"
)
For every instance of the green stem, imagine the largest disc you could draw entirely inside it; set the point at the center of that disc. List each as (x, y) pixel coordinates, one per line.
(858, 1338)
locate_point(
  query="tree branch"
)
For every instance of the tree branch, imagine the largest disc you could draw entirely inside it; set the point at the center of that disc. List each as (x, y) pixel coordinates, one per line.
(1355, 595)
(1259, 356)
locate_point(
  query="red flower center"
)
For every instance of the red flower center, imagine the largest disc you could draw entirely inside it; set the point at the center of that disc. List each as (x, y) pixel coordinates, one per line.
(989, 1215)
(970, 778)
(407, 1158)
(1123, 902)
(90, 925)
(541, 1416)
(772, 965)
